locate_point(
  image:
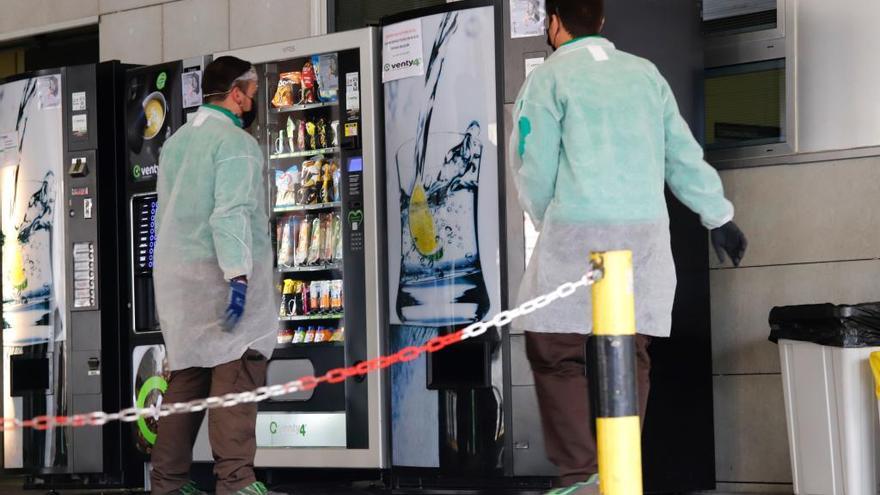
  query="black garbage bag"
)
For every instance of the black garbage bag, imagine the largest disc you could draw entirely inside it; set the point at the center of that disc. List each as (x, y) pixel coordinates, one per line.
(828, 324)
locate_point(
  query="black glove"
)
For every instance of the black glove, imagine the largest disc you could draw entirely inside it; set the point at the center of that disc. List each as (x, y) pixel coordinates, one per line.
(728, 238)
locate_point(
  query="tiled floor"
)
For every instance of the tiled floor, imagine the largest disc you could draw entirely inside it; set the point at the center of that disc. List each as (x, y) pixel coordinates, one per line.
(13, 486)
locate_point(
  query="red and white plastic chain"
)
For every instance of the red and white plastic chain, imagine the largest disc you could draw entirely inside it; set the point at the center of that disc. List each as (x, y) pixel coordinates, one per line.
(338, 375)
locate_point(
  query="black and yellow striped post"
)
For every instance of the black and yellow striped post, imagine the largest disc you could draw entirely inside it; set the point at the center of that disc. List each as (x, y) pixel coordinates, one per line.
(618, 434)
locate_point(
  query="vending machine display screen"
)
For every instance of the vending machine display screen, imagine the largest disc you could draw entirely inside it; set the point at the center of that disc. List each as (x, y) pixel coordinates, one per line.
(355, 164)
(144, 232)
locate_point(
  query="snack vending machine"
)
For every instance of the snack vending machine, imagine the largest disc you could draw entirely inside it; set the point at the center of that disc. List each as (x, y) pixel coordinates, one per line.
(319, 129)
(60, 149)
(157, 101)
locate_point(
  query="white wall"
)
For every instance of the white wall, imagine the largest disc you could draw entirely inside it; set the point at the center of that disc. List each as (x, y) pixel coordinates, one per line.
(153, 31)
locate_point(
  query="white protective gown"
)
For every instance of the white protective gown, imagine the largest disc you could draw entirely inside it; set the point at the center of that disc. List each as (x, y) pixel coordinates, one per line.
(597, 136)
(212, 226)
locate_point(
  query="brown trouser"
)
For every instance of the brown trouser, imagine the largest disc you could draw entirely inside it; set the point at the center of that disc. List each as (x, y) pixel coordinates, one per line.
(232, 431)
(561, 379)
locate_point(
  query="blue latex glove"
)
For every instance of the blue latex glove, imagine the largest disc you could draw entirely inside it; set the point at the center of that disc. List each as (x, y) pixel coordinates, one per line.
(237, 298)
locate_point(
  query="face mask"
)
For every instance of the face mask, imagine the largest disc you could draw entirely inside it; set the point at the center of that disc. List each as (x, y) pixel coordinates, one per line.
(248, 118)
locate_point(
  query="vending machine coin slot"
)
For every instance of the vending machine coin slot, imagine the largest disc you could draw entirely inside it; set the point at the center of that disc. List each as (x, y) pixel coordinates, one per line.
(79, 167)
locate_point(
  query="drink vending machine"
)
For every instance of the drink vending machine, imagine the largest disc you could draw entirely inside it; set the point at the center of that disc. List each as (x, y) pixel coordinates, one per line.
(319, 128)
(444, 169)
(157, 100)
(60, 153)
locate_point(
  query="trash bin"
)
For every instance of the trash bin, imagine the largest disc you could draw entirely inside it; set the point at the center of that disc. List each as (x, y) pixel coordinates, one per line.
(831, 408)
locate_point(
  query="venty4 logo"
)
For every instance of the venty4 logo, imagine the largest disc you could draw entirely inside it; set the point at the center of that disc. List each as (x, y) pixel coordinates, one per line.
(415, 62)
(143, 173)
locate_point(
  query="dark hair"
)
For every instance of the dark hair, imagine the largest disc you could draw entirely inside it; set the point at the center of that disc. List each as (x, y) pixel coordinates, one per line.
(219, 76)
(579, 17)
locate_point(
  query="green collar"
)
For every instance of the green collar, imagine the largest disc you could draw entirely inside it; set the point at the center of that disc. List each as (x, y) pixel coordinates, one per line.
(226, 112)
(575, 40)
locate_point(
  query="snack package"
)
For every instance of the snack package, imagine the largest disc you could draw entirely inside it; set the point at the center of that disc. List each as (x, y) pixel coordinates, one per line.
(309, 182)
(283, 95)
(327, 73)
(285, 336)
(286, 183)
(325, 237)
(296, 306)
(329, 239)
(338, 335)
(285, 255)
(310, 336)
(309, 84)
(295, 79)
(323, 335)
(336, 296)
(341, 295)
(312, 131)
(286, 298)
(299, 336)
(325, 296)
(334, 129)
(289, 89)
(327, 183)
(311, 172)
(315, 296)
(337, 182)
(291, 134)
(316, 242)
(337, 238)
(323, 142)
(305, 308)
(302, 245)
(301, 135)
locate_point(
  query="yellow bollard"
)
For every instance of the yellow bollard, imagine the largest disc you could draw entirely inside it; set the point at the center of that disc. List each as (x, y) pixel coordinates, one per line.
(875, 368)
(618, 429)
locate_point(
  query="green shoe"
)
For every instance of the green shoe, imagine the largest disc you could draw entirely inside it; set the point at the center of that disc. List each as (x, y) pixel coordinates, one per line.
(256, 488)
(575, 489)
(190, 488)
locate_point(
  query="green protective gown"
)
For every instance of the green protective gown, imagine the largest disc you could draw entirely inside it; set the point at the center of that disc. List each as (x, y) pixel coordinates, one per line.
(212, 226)
(597, 135)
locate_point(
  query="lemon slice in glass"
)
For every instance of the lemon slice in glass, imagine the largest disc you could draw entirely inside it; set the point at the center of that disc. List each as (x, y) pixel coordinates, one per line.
(17, 275)
(421, 225)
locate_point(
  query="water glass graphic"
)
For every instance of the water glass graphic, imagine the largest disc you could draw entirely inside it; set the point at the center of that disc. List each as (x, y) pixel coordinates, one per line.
(441, 278)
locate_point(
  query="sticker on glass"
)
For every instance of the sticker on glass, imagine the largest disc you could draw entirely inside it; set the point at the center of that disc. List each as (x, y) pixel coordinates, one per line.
(353, 93)
(532, 64)
(402, 51)
(49, 92)
(8, 149)
(79, 125)
(78, 101)
(527, 18)
(192, 88)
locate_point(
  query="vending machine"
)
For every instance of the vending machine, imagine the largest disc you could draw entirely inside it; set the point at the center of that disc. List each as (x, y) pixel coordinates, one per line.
(444, 173)
(60, 152)
(320, 131)
(157, 100)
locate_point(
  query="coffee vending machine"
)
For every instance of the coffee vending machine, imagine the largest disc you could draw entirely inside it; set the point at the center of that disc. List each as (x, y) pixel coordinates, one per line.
(157, 101)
